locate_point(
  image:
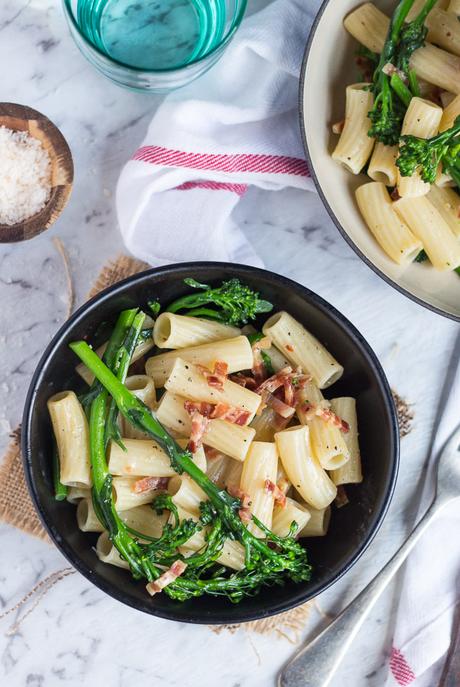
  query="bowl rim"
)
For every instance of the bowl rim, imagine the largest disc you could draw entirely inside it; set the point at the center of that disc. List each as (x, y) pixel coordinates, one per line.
(313, 299)
(322, 195)
(236, 23)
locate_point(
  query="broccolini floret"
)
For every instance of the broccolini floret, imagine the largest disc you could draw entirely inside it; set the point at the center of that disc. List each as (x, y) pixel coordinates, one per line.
(234, 303)
(425, 154)
(402, 40)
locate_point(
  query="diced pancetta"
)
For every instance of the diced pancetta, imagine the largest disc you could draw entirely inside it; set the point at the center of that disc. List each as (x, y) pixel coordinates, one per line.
(218, 411)
(149, 484)
(278, 495)
(217, 376)
(175, 571)
(200, 424)
(325, 413)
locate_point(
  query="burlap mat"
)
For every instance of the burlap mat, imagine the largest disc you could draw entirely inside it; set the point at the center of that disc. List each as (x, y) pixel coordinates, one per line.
(16, 507)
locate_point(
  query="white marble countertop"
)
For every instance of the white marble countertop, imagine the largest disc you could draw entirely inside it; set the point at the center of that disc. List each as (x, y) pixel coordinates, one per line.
(79, 636)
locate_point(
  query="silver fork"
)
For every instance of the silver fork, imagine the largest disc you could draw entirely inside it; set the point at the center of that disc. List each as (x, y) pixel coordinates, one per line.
(316, 664)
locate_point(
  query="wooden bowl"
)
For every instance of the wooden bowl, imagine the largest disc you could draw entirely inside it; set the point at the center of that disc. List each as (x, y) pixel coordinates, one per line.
(327, 68)
(22, 118)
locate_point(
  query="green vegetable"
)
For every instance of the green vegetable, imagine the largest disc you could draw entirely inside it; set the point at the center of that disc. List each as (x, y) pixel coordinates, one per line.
(123, 361)
(263, 565)
(400, 88)
(414, 84)
(268, 363)
(402, 40)
(154, 306)
(425, 155)
(421, 257)
(235, 303)
(60, 490)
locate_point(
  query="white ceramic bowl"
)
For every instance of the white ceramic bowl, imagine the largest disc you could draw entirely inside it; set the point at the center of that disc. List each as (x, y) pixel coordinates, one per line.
(328, 67)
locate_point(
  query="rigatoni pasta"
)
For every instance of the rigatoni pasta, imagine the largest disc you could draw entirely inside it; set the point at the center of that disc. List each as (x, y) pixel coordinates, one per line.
(236, 352)
(178, 331)
(355, 146)
(72, 437)
(302, 349)
(198, 469)
(302, 468)
(416, 139)
(260, 467)
(388, 228)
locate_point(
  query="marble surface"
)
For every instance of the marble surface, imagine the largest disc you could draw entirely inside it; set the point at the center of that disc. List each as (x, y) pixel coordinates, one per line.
(78, 636)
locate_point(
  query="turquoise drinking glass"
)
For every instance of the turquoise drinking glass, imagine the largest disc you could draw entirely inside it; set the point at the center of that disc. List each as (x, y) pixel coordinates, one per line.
(153, 45)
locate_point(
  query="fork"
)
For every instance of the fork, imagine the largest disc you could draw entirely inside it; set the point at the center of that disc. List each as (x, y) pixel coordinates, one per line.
(316, 664)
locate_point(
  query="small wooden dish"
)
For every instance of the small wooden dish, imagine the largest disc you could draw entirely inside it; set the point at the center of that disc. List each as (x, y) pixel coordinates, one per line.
(22, 118)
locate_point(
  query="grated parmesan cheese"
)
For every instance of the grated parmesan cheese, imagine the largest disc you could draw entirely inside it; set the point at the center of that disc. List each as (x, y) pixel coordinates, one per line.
(25, 176)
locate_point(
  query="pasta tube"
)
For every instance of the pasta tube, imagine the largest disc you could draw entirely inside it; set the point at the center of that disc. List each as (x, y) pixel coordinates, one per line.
(450, 114)
(143, 387)
(387, 227)
(260, 465)
(87, 519)
(318, 524)
(351, 472)
(187, 380)
(180, 331)
(440, 244)
(217, 467)
(144, 520)
(355, 146)
(233, 474)
(302, 468)
(230, 439)
(236, 352)
(141, 457)
(293, 511)
(447, 203)
(454, 7)
(186, 493)
(422, 119)
(327, 440)
(370, 26)
(437, 66)
(382, 165)
(444, 30)
(74, 494)
(70, 428)
(264, 425)
(107, 553)
(302, 349)
(125, 497)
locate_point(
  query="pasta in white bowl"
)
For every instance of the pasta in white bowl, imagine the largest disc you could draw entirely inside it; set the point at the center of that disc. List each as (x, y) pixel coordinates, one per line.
(390, 217)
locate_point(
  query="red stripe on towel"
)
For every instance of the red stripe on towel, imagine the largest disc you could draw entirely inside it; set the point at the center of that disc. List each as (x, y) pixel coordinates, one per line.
(269, 164)
(239, 189)
(401, 670)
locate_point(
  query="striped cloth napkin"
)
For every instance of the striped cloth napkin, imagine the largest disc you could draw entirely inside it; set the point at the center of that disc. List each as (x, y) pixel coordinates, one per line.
(238, 125)
(431, 581)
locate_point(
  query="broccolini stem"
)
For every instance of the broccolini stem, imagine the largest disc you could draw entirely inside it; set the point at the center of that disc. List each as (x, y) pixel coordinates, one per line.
(400, 88)
(123, 362)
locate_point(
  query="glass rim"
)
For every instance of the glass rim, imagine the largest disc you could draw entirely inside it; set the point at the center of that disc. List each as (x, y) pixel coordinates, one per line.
(234, 26)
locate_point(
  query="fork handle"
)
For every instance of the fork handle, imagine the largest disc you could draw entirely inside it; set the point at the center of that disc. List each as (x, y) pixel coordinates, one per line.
(316, 664)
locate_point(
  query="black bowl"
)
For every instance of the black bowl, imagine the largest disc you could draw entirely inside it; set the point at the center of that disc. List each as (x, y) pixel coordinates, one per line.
(352, 527)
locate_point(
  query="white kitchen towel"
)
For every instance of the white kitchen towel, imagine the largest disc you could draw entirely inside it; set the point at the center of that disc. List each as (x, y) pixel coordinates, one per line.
(237, 125)
(431, 582)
